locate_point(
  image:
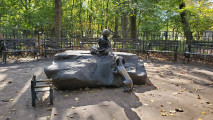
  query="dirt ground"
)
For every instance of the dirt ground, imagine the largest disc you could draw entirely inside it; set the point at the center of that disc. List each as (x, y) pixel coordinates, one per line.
(174, 91)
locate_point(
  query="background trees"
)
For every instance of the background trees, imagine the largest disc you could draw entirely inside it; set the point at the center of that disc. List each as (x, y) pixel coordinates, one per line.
(122, 17)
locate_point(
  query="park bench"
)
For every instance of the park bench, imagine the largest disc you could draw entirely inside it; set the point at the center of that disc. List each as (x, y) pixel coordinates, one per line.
(41, 86)
(199, 48)
(126, 44)
(18, 46)
(162, 46)
(88, 43)
(53, 45)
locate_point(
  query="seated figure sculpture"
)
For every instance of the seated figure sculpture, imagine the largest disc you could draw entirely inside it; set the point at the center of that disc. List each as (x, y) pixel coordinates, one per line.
(105, 49)
(104, 45)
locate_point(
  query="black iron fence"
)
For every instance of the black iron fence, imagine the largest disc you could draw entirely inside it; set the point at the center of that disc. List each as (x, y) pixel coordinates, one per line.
(201, 44)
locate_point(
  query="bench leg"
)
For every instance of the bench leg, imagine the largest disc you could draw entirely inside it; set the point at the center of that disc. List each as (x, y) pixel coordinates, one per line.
(188, 57)
(4, 57)
(51, 96)
(175, 57)
(147, 55)
(33, 93)
(45, 54)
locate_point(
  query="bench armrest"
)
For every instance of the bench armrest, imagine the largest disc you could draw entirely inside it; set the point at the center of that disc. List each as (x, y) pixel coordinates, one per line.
(148, 46)
(4, 47)
(176, 48)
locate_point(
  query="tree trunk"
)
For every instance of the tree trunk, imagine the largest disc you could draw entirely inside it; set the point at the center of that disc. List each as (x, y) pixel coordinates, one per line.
(58, 15)
(102, 15)
(115, 35)
(90, 19)
(80, 16)
(133, 27)
(71, 24)
(124, 24)
(186, 27)
(107, 12)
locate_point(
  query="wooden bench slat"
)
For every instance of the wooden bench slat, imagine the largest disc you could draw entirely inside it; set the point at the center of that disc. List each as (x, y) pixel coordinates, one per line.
(42, 89)
(43, 86)
(48, 80)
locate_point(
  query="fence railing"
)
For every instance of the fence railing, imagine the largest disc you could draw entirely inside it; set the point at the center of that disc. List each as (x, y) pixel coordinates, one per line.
(82, 39)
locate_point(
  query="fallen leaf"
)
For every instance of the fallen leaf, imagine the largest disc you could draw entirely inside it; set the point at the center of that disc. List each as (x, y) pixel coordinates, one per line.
(161, 105)
(145, 104)
(204, 113)
(198, 97)
(48, 117)
(181, 72)
(172, 111)
(151, 100)
(49, 109)
(171, 115)
(91, 91)
(66, 95)
(200, 119)
(178, 110)
(73, 107)
(13, 109)
(132, 68)
(9, 81)
(175, 94)
(181, 90)
(148, 84)
(76, 99)
(169, 103)
(11, 100)
(207, 110)
(162, 110)
(165, 89)
(86, 88)
(163, 114)
(8, 118)
(70, 116)
(207, 102)
(55, 113)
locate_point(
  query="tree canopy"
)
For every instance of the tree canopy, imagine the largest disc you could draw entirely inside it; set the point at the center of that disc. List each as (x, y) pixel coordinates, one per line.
(115, 15)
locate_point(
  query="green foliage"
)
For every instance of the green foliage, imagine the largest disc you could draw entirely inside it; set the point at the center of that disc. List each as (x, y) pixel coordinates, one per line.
(94, 15)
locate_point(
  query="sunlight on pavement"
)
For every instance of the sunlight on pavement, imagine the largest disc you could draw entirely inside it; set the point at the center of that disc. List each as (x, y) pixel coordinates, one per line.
(26, 86)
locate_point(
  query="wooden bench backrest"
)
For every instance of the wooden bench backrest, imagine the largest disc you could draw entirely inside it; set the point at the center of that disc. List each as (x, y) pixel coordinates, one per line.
(89, 41)
(163, 44)
(20, 44)
(58, 43)
(205, 47)
(126, 43)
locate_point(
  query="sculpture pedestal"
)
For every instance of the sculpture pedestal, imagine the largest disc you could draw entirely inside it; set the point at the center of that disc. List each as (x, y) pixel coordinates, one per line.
(79, 69)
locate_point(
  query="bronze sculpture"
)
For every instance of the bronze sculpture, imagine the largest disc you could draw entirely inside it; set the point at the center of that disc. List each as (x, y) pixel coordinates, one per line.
(105, 49)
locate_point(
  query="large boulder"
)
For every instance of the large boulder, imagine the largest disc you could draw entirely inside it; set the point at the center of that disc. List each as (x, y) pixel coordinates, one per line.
(78, 69)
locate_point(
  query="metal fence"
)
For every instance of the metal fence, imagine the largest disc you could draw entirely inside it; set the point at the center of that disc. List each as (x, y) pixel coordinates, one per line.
(120, 40)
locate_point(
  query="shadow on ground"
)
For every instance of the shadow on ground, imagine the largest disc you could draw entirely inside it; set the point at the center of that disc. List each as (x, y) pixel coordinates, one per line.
(89, 103)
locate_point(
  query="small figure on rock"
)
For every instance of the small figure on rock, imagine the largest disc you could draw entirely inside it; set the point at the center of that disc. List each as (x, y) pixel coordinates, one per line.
(105, 49)
(104, 44)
